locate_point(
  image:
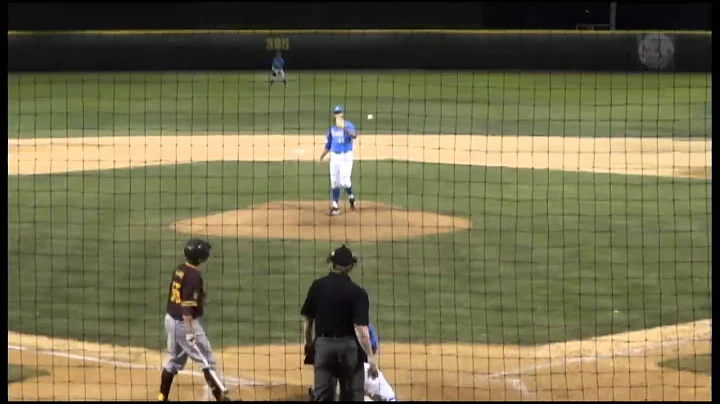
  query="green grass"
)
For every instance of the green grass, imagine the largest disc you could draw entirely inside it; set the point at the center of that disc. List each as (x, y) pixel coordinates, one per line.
(550, 257)
(495, 103)
(17, 373)
(695, 363)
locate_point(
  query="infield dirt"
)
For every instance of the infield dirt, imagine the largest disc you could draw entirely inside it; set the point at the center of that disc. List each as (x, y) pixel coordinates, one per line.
(618, 367)
(643, 156)
(309, 220)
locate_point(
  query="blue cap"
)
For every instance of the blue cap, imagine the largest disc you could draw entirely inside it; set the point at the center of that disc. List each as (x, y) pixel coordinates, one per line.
(338, 109)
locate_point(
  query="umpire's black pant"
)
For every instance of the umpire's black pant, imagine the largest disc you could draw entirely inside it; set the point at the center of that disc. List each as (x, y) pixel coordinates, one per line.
(337, 361)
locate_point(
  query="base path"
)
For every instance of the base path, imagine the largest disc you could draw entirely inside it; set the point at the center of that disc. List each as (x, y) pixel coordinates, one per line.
(642, 156)
(617, 367)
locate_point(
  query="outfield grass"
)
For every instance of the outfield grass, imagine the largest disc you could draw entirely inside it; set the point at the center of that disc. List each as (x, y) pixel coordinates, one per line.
(552, 256)
(559, 104)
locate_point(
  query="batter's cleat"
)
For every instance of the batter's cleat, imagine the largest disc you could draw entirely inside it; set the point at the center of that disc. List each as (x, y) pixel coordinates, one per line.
(334, 211)
(352, 203)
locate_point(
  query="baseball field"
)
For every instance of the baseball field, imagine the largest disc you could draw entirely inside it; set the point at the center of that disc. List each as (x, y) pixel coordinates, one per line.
(522, 236)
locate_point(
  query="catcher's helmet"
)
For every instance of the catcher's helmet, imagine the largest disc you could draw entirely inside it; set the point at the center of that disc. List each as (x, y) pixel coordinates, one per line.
(197, 251)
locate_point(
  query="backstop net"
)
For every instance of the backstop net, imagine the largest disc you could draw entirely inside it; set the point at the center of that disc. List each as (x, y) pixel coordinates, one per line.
(535, 226)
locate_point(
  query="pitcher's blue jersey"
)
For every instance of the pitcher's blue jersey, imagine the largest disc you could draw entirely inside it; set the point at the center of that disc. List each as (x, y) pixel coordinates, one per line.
(278, 63)
(340, 140)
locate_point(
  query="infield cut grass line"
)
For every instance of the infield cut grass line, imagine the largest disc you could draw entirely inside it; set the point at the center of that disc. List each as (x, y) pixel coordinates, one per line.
(624, 352)
(122, 364)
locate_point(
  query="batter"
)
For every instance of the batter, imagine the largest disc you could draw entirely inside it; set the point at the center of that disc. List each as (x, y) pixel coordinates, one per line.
(185, 335)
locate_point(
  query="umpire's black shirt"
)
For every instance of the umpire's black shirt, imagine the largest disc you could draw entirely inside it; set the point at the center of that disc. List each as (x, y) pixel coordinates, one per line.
(337, 304)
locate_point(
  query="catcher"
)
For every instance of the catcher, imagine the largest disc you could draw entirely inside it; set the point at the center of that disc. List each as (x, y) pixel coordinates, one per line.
(377, 389)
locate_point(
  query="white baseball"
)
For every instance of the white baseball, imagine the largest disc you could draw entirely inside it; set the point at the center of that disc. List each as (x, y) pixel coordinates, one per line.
(370, 116)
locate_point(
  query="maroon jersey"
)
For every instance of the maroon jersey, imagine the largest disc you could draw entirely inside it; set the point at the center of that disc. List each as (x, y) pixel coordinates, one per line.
(186, 293)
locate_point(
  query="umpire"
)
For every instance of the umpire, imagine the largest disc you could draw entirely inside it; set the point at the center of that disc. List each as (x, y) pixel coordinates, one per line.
(338, 309)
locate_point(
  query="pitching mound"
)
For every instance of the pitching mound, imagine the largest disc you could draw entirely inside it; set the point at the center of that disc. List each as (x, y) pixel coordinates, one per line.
(309, 220)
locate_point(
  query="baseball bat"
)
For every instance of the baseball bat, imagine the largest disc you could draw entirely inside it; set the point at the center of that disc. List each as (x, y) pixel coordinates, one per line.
(207, 365)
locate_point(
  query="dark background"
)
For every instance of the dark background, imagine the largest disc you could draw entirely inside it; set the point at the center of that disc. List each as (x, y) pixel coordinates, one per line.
(226, 49)
(347, 15)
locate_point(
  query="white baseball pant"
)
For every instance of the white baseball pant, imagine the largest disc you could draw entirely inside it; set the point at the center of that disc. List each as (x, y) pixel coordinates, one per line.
(341, 165)
(278, 73)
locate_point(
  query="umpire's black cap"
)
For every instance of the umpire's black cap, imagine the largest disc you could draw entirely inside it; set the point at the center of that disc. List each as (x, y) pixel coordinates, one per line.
(342, 257)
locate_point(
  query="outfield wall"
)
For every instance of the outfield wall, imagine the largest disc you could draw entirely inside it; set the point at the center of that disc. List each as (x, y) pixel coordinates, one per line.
(347, 49)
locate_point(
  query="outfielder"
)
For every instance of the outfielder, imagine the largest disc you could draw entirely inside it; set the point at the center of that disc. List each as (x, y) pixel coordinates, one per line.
(185, 336)
(277, 68)
(339, 144)
(377, 389)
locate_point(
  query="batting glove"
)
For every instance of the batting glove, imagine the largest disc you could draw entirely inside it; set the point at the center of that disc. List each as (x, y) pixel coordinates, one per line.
(190, 338)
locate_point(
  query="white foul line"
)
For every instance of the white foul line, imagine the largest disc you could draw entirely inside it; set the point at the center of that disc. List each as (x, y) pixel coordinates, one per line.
(520, 386)
(121, 364)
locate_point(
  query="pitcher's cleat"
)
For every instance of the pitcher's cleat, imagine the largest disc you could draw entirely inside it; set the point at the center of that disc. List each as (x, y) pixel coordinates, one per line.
(352, 203)
(334, 211)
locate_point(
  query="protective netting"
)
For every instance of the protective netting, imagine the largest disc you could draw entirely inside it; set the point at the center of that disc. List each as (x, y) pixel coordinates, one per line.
(522, 235)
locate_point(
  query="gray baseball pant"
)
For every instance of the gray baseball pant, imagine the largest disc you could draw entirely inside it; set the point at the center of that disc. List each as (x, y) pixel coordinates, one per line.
(180, 349)
(336, 360)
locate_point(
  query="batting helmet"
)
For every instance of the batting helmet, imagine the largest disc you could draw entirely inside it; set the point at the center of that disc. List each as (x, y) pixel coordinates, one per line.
(197, 251)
